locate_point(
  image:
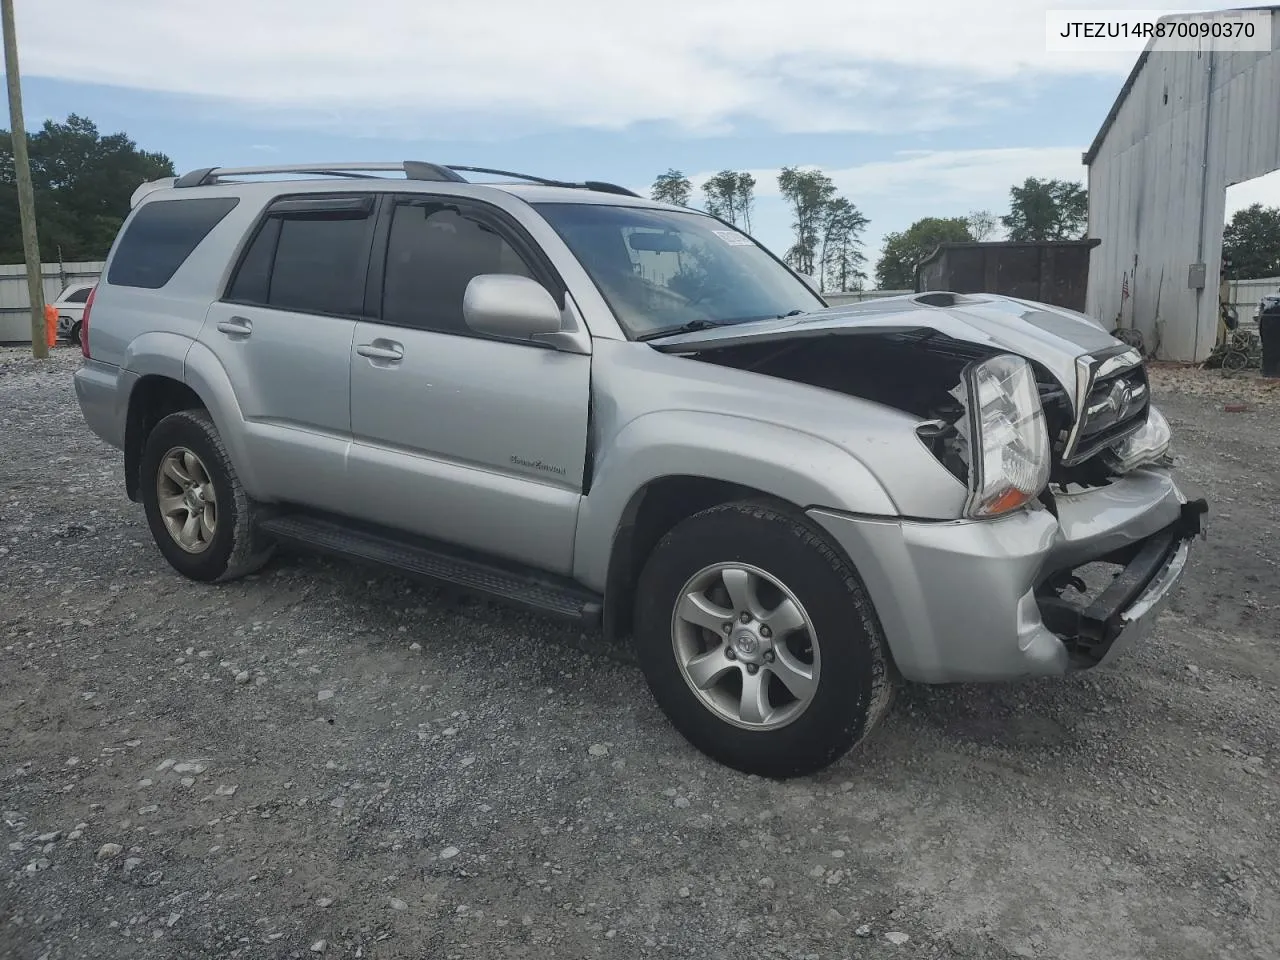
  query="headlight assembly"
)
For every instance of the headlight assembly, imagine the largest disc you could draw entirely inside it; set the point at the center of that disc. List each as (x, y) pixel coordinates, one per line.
(1005, 441)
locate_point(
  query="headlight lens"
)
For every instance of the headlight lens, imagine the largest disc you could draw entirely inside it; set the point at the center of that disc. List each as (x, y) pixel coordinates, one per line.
(1149, 444)
(1006, 435)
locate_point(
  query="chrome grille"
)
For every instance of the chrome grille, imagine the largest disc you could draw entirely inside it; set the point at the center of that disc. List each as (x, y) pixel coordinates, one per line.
(1114, 405)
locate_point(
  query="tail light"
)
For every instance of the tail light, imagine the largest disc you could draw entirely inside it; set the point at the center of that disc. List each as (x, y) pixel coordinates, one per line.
(84, 321)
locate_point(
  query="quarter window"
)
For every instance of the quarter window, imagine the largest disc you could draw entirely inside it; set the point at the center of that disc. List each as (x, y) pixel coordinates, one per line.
(160, 237)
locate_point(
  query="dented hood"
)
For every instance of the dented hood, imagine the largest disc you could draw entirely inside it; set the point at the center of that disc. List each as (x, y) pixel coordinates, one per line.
(1052, 336)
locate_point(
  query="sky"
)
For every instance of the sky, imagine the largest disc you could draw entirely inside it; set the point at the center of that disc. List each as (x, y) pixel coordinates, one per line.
(931, 108)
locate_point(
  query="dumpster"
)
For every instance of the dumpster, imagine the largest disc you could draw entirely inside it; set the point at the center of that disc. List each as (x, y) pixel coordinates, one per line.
(1049, 271)
(1269, 333)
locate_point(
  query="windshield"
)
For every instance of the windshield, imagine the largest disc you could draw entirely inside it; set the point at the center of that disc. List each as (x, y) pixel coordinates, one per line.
(662, 270)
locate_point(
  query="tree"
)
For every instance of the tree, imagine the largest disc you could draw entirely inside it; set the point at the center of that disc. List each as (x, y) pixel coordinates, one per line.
(903, 250)
(842, 258)
(746, 199)
(83, 182)
(672, 187)
(730, 196)
(1047, 210)
(808, 192)
(1251, 242)
(983, 224)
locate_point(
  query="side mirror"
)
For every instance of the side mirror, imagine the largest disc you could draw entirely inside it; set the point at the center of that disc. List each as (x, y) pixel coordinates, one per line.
(506, 305)
(812, 283)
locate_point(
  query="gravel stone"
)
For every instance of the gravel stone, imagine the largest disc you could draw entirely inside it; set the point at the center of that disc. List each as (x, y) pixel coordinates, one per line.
(1148, 787)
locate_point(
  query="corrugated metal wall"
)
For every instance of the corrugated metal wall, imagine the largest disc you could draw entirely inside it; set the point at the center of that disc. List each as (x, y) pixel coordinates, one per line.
(1146, 183)
(15, 314)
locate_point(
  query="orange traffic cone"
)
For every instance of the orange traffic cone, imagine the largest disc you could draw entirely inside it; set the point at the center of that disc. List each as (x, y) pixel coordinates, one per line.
(51, 325)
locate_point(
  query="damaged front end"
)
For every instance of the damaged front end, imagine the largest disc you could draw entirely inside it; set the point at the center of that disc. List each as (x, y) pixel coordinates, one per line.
(1074, 532)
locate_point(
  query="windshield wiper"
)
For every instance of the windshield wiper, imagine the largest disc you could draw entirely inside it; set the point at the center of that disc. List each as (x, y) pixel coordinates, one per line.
(791, 313)
(693, 326)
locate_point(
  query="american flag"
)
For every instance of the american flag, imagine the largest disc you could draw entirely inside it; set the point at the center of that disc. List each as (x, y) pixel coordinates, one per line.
(1124, 288)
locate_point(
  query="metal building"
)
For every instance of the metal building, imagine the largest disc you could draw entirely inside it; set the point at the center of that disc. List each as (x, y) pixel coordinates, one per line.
(1184, 127)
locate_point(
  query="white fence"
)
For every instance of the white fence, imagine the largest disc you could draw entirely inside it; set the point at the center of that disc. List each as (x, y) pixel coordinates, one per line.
(15, 302)
(1245, 295)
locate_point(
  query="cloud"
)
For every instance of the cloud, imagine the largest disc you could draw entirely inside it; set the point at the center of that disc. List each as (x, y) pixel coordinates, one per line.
(1264, 190)
(432, 68)
(938, 176)
(895, 192)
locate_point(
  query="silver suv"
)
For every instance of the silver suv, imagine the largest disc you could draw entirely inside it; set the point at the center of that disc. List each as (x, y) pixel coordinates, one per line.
(632, 415)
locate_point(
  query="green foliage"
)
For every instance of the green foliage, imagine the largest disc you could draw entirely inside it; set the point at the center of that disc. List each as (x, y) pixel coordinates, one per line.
(1047, 210)
(902, 251)
(841, 258)
(983, 224)
(1251, 242)
(808, 193)
(730, 195)
(82, 183)
(672, 187)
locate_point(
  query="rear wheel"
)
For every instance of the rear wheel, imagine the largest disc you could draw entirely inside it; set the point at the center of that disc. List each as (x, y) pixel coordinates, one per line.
(759, 642)
(199, 514)
(74, 334)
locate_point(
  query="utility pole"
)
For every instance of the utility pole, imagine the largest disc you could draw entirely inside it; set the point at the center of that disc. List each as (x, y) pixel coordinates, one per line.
(26, 194)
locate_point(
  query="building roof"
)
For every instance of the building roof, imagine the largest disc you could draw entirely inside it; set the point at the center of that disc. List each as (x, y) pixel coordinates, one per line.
(1091, 154)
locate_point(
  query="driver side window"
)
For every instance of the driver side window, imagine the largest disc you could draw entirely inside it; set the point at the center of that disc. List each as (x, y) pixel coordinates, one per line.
(434, 249)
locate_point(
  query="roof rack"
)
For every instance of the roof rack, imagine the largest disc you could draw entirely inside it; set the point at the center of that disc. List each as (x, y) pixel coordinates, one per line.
(412, 170)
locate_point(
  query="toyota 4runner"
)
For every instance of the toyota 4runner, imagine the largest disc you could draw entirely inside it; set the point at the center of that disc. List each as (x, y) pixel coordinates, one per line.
(601, 407)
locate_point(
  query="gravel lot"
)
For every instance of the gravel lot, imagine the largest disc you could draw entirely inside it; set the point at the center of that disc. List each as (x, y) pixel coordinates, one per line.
(324, 761)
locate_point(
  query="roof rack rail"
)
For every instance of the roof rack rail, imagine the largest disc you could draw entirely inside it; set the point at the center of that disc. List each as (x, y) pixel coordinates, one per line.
(412, 169)
(597, 185)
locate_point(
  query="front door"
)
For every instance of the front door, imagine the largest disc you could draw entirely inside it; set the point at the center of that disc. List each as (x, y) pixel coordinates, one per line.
(456, 435)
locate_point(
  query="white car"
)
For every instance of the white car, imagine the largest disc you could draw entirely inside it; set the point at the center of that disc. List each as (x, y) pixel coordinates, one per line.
(70, 305)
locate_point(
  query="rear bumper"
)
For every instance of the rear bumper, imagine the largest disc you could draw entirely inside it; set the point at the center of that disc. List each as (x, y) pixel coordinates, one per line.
(979, 600)
(98, 390)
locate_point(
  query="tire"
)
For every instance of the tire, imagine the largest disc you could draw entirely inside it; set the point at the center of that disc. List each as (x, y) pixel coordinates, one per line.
(850, 684)
(224, 544)
(1235, 360)
(74, 335)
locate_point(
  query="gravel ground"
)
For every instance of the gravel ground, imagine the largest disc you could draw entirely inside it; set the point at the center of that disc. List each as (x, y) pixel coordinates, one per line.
(321, 761)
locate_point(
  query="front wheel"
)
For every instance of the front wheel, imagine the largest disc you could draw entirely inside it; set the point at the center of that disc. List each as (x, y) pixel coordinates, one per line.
(759, 642)
(74, 334)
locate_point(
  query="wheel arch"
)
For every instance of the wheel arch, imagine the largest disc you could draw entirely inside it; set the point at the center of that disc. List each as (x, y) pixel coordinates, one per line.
(656, 509)
(153, 397)
(196, 382)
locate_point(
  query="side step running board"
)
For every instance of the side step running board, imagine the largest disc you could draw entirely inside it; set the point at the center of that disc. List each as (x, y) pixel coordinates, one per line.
(536, 592)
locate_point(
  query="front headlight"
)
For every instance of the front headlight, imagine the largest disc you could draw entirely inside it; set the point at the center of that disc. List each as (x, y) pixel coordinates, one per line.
(1005, 433)
(1149, 444)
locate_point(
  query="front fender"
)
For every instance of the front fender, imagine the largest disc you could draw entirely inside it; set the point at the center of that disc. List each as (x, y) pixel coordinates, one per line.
(796, 467)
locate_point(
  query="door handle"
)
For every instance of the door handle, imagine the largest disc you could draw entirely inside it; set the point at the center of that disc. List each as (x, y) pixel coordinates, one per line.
(387, 350)
(236, 327)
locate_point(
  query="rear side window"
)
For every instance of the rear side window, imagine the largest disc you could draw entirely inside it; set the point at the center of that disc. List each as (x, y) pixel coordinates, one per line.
(78, 296)
(308, 262)
(160, 238)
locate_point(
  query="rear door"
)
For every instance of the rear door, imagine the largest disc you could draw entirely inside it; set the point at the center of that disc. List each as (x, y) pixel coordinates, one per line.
(463, 437)
(283, 333)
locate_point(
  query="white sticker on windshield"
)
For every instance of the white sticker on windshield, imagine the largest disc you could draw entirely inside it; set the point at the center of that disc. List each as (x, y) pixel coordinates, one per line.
(733, 239)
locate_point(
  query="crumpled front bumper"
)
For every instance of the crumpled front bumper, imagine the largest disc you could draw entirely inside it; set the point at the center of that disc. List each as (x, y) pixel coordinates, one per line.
(970, 600)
